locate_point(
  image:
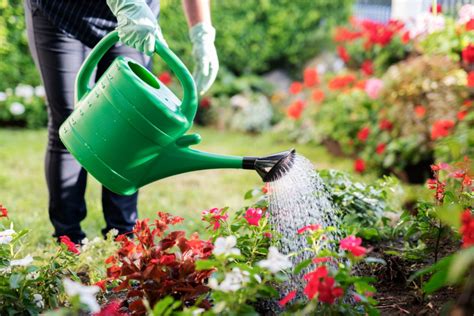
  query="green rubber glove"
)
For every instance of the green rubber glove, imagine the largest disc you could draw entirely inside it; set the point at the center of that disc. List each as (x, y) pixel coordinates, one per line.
(205, 56)
(137, 26)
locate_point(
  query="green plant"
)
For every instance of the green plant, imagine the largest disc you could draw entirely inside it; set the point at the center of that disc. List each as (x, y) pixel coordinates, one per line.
(30, 284)
(23, 106)
(364, 206)
(256, 36)
(17, 65)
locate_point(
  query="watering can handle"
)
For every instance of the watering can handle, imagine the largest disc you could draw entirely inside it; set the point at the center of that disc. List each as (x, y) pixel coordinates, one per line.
(188, 104)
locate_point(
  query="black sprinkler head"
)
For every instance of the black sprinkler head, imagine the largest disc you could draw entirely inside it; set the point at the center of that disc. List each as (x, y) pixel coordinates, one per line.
(273, 167)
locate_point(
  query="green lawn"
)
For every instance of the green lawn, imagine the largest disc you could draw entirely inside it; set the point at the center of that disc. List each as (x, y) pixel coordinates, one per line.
(23, 189)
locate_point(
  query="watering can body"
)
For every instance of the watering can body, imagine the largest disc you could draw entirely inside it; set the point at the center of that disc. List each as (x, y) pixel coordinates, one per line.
(128, 129)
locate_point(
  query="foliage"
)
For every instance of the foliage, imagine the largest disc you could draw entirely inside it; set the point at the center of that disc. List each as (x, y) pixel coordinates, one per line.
(256, 36)
(431, 221)
(29, 284)
(449, 40)
(364, 206)
(156, 264)
(17, 65)
(23, 106)
(332, 284)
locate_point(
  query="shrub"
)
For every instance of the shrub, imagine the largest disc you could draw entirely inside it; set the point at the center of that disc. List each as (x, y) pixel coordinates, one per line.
(16, 63)
(23, 106)
(256, 36)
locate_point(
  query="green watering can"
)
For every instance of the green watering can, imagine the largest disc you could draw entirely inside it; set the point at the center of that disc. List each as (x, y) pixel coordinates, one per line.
(128, 129)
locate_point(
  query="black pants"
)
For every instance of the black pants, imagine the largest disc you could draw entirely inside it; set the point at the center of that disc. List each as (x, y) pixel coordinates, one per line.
(58, 58)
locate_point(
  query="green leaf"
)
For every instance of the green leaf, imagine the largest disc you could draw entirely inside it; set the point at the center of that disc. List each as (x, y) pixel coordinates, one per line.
(461, 262)
(303, 264)
(15, 280)
(165, 306)
(206, 264)
(450, 214)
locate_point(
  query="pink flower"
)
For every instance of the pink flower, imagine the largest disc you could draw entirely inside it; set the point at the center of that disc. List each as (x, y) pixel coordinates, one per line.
(253, 215)
(311, 227)
(287, 298)
(353, 244)
(214, 217)
(373, 87)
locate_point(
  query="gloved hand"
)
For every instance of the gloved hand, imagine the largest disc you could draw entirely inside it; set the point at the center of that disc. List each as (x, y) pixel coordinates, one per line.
(205, 56)
(137, 26)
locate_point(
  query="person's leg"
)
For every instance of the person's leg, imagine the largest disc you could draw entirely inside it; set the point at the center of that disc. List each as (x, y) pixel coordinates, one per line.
(58, 59)
(120, 211)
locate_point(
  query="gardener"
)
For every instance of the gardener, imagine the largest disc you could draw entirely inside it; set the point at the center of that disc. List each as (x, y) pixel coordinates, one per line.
(60, 34)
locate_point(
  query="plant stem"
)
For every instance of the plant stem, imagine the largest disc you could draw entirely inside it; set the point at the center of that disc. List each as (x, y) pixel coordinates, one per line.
(438, 238)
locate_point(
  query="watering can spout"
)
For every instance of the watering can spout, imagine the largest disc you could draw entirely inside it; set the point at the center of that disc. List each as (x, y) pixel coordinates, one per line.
(179, 158)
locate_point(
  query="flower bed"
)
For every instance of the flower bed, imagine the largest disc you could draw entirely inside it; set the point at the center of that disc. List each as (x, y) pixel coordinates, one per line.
(238, 268)
(403, 120)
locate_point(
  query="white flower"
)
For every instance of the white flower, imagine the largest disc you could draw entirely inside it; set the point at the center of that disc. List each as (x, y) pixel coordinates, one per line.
(275, 261)
(198, 311)
(24, 91)
(3, 96)
(32, 275)
(225, 246)
(233, 281)
(6, 236)
(466, 13)
(22, 262)
(6, 270)
(86, 293)
(16, 108)
(38, 300)
(40, 92)
(427, 23)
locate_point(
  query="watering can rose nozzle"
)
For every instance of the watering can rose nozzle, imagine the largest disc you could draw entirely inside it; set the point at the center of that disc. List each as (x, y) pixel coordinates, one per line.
(273, 167)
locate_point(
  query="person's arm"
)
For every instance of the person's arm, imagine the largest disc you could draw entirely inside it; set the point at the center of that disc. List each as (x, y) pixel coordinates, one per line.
(197, 11)
(202, 34)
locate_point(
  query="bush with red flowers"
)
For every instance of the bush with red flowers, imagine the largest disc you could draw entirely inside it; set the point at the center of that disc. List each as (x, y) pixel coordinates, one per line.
(372, 46)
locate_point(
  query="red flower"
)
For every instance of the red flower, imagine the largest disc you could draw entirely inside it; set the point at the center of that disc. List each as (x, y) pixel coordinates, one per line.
(363, 134)
(318, 95)
(310, 77)
(343, 54)
(70, 245)
(361, 84)
(165, 78)
(467, 103)
(385, 125)
(461, 115)
(341, 82)
(441, 128)
(3, 211)
(214, 217)
(467, 228)
(311, 227)
(420, 111)
(439, 8)
(323, 260)
(406, 37)
(343, 34)
(470, 25)
(367, 68)
(468, 54)
(266, 188)
(359, 165)
(287, 298)
(296, 87)
(205, 103)
(295, 110)
(319, 283)
(268, 235)
(253, 215)
(101, 284)
(380, 149)
(353, 244)
(470, 79)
